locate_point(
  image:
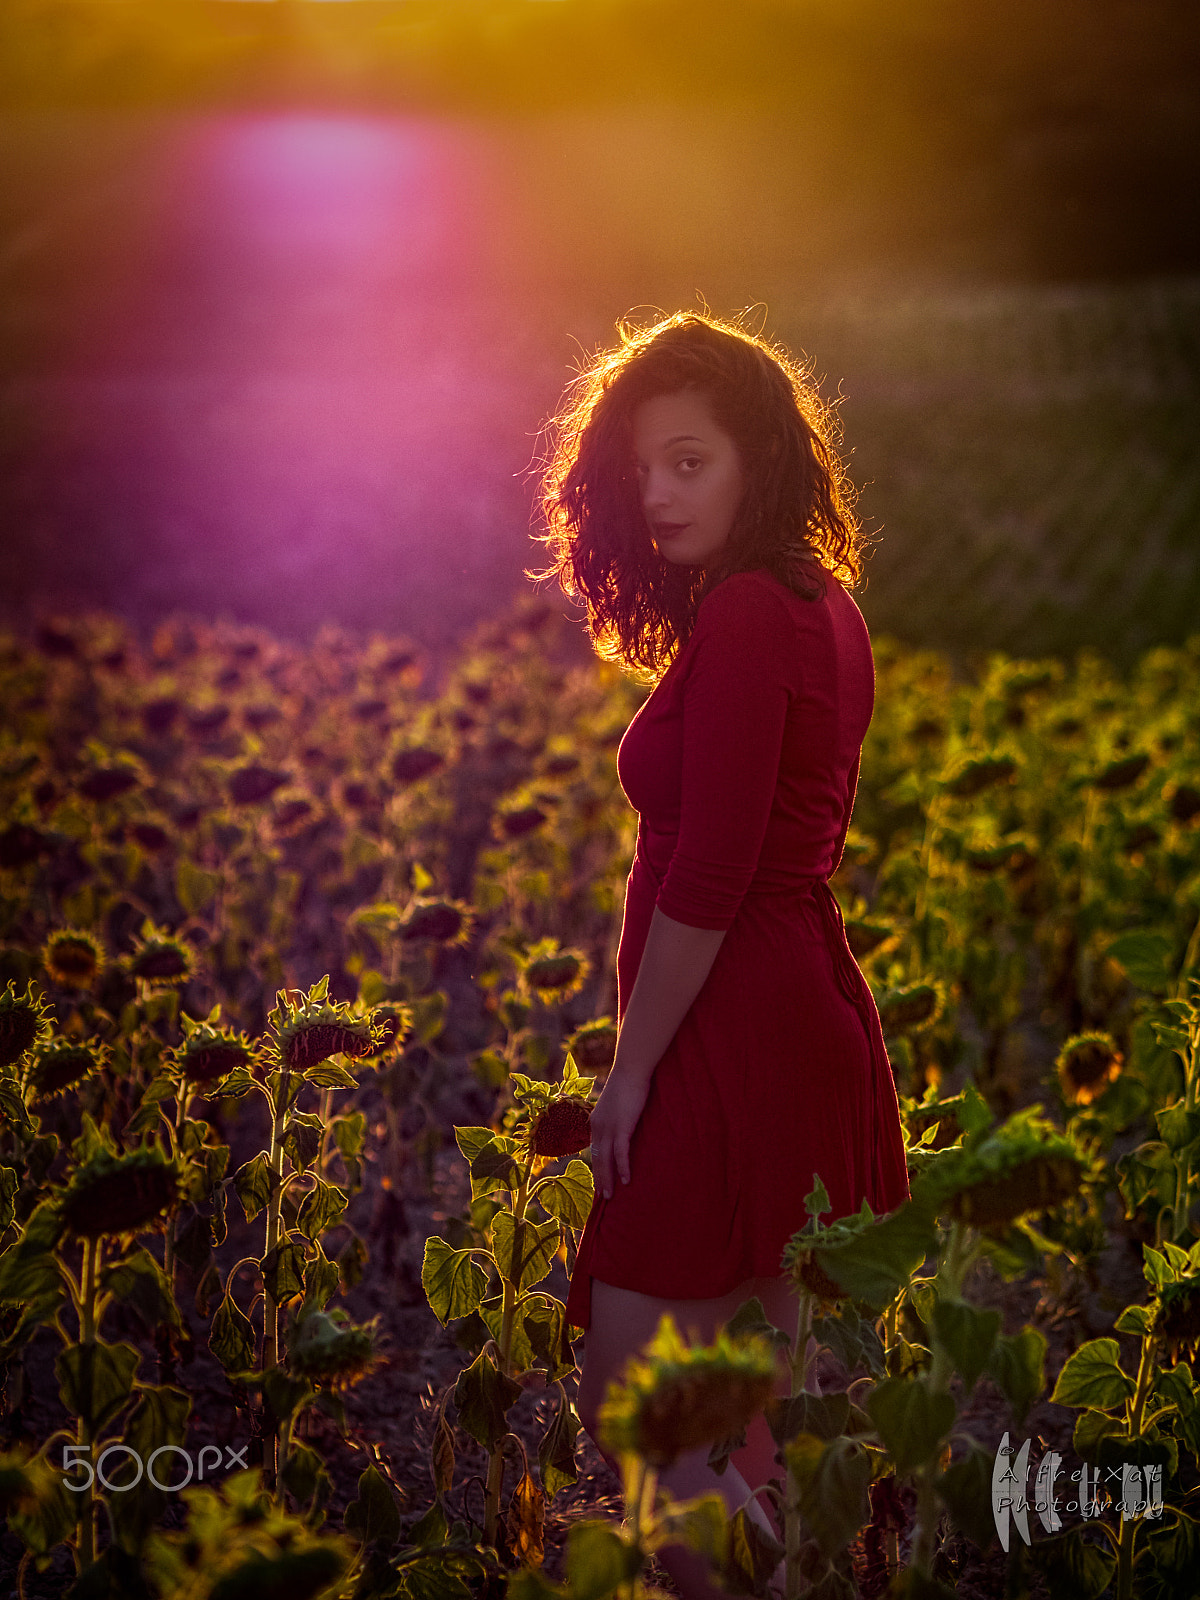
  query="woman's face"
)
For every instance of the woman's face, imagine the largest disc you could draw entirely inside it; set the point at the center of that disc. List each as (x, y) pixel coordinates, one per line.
(690, 476)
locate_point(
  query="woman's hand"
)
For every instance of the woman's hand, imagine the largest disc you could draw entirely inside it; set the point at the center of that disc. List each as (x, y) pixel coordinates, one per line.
(614, 1118)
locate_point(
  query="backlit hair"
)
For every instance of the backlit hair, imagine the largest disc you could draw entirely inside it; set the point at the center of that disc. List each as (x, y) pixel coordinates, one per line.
(795, 519)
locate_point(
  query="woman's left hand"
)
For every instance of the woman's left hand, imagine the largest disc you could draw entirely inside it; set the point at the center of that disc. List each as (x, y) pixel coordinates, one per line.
(614, 1118)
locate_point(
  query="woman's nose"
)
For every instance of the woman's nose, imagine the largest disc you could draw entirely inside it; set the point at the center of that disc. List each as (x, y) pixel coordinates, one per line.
(655, 490)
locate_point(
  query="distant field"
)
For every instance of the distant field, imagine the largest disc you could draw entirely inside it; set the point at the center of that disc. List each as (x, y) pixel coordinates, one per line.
(1032, 456)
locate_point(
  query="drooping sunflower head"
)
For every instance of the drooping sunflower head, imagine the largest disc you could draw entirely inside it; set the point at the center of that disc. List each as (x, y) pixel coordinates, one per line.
(24, 1020)
(675, 1397)
(1024, 1167)
(551, 973)
(561, 1128)
(332, 1352)
(1179, 1316)
(121, 1193)
(209, 1052)
(309, 1028)
(437, 921)
(62, 1064)
(159, 958)
(971, 775)
(72, 958)
(594, 1045)
(1086, 1065)
(910, 1006)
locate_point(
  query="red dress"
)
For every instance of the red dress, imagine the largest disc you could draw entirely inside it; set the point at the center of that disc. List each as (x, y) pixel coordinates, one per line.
(743, 766)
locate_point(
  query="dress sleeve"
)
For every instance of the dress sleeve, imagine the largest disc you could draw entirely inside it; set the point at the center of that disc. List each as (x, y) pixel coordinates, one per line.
(736, 695)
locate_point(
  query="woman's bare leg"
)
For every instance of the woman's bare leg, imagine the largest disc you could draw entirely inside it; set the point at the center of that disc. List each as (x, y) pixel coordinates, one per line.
(623, 1321)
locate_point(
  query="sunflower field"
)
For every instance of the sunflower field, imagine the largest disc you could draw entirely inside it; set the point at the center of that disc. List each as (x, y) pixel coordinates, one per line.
(306, 987)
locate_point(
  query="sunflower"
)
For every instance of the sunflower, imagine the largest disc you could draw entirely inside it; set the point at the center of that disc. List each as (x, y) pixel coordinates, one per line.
(551, 973)
(73, 958)
(439, 921)
(309, 1029)
(1086, 1065)
(675, 1397)
(562, 1128)
(209, 1052)
(973, 774)
(594, 1045)
(329, 1350)
(159, 958)
(62, 1065)
(910, 1006)
(113, 1193)
(23, 1021)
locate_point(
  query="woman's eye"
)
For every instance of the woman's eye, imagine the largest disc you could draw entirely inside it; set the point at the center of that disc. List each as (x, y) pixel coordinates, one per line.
(690, 462)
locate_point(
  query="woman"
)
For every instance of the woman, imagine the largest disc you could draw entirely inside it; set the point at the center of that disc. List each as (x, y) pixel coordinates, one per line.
(696, 505)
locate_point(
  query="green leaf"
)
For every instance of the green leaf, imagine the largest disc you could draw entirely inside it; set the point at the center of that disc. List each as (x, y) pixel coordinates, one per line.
(822, 1416)
(1135, 1319)
(1157, 1268)
(495, 1166)
(322, 1207)
(302, 1136)
(520, 1351)
(752, 1554)
(138, 1281)
(598, 1561)
(912, 1419)
(543, 1322)
(329, 1075)
(874, 1265)
(526, 1248)
(350, 1136)
(1074, 1568)
(304, 1475)
(483, 1395)
(472, 1140)
(1017, 1366)
(567, 1195)
(556, 1450)
(454, 1283)
(852, 1338)
(1175, 1547)
(320, 1279)
(429, 1017)
(28, 1271)
(1093, 1377)
(1145, 954)
(966, 1490)
(834, 1477)
(1091, 1428)
(967, 1334)
(374, 1513)
(283, 1270)
(194, 887)
(231, 1338)
(253, 1184)
(95, 1380)
(1177, 1127)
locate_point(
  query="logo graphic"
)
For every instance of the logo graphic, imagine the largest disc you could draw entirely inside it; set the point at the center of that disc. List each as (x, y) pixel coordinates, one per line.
(76, 1455)
(1141, 1491)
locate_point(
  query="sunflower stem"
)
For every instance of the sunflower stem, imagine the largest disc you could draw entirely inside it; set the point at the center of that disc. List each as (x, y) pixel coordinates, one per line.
(93, 1254)
(510, 1281)
(274, 1221)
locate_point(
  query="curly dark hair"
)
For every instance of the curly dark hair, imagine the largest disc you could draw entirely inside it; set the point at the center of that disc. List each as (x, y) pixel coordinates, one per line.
(796, 518)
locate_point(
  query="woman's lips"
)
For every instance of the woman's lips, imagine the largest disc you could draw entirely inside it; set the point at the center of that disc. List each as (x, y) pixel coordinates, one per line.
(668, 530)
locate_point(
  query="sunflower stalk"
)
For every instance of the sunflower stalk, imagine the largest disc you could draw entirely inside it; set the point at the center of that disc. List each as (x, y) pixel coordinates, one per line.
(510, 1291)
(959, 1255)
(1135, 1408)
(93, 1249)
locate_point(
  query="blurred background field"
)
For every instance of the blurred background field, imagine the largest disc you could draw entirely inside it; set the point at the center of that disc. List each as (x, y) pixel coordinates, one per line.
(287, 290)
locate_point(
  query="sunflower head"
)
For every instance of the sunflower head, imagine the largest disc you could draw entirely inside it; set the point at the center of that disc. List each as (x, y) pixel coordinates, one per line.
(1179, 1316)
(330, 1351)
(594, 1044)
(1122, 773)
(72, 958)
(551, 973)
(107, 779)
(1086, 1065)
(675, 1397)
(562, 1128)
(437, 921)
(1023, 1167)
(116, 1193)
(252, 784)
(159, 958)
(24, 1020)
(910, 1006)
(62, 1065)
(309, 1028)
(209, 1052)
(973, 774)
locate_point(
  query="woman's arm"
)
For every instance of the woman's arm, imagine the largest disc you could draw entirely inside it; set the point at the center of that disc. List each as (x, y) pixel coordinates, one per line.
(675, 962)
